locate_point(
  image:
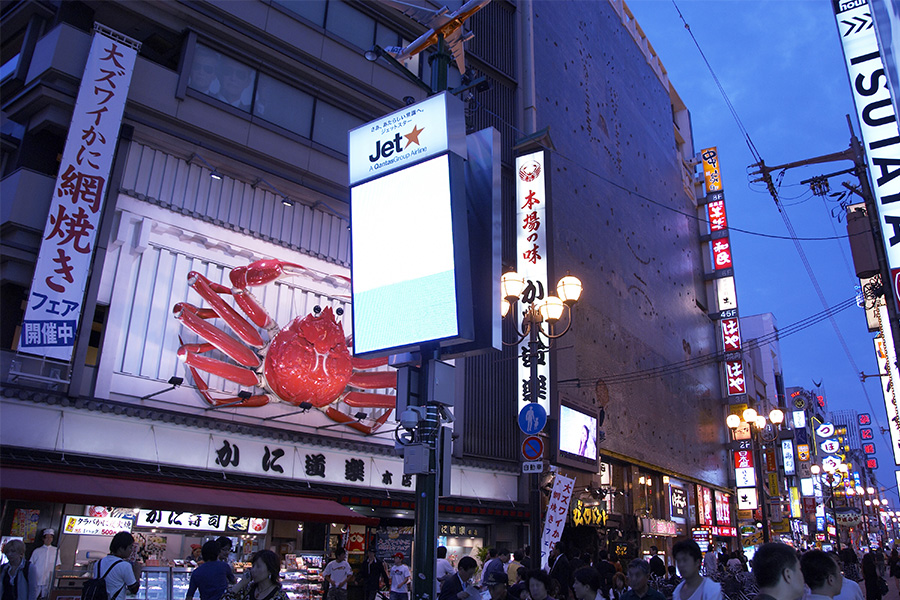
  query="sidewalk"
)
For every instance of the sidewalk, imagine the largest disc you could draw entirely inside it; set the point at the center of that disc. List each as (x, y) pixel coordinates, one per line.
(893, 593)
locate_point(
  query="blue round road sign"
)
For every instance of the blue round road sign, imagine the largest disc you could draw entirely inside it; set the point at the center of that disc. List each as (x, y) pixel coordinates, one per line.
(532, 418)
(532, 448)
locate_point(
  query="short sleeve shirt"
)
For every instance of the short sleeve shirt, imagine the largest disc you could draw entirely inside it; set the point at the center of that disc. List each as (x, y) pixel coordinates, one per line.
(120, 576)
(210, 579)
(340, 572)
(399, 575)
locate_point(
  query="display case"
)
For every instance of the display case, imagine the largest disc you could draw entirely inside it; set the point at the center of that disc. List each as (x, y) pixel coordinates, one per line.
(156, 584)
(301, 577)
(181, 580)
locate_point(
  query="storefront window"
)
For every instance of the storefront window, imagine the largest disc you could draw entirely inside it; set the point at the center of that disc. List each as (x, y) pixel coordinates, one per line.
(222, 78)
(332, 125)
(287, 107)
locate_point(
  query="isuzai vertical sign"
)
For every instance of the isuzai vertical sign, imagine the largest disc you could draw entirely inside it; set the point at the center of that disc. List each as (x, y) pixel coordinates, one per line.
(531, 251)
(877, 120)
(64, 261)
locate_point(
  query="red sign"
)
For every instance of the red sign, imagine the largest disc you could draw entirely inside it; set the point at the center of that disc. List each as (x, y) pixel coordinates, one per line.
(809, 506)
(865, 433)
(864, 419)
(734, 373)
(721, 254)
(533, 448)
(872, 463)
(716, 213)
(704, 499)
(743, 459)
(725, 531)
(770, 461)
(731, 335)
(868, 448)
(723, 508)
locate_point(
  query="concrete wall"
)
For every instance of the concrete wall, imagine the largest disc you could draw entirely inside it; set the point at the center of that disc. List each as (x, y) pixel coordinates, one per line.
(611, 122)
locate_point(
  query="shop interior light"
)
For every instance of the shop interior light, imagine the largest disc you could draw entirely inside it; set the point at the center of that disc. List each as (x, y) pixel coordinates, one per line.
(749, 415)
(868, 502)
(884, 501)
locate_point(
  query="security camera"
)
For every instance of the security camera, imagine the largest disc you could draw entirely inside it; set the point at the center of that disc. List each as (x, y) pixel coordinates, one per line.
(410, 417)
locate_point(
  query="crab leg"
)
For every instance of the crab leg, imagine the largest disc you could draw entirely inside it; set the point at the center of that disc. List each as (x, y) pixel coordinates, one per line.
(210, 291)
(349, 421)
(203, 388)
(191, 355)
(188, 314)
(370, 380)
(369, 400)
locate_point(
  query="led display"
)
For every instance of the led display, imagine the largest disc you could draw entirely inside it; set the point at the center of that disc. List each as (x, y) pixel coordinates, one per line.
(577, 433)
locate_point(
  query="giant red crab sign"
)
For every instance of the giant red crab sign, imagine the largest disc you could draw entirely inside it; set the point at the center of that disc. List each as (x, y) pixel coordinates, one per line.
(308, 361)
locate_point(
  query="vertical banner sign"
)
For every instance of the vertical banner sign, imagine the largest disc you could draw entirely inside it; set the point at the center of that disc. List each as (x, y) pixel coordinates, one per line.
(557, 511)
(886, 354)
(532, 260)
(722, 260)
(876, 120)
(61, 274)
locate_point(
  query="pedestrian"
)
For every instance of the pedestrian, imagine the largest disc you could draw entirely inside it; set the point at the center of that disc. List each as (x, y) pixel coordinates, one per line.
(673, 579)
(526, 557)
(821, 575)
(850, 590)
(776, 569)
(606, 570)
(559, 569)
(710, 562)
(497, 565)
(695, 586)
(211, 577)
(45, 560)
(260, 582)
(519, 589)
(870, 577)
(512, 567)
(372, 573)
(400, 578)
(638, 574)
(338, 573)
(893, 567)
(587, 584)
(492, 556)
(456, 587)
(121, 575)
(539, 584)
(497, 584)
(196, 555)
(734, 564)
(618, 587)
(657, 566)
(18, 576)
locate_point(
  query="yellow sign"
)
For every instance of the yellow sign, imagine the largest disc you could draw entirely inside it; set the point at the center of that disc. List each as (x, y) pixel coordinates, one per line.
(588, 515)
(803, 452)
(711, 173)
(774, 490)
(796, 510)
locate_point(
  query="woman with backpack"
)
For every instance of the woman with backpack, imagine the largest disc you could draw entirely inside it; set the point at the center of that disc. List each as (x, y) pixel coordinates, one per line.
(19, 581)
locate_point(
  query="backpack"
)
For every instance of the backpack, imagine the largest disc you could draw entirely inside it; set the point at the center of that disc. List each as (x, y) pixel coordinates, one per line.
(95, 589)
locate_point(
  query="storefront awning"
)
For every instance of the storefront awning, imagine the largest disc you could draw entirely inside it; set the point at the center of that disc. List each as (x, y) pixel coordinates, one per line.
(55, 486)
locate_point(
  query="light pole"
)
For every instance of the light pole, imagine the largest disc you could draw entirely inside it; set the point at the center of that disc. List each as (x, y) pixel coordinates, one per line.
(753, 419)
(535, 313)
(833, 475)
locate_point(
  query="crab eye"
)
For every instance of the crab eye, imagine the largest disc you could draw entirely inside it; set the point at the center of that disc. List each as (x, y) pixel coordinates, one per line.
(339, 311)
(317, 309)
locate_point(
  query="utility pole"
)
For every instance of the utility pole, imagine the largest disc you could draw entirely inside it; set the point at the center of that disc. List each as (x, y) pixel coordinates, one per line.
(856, 155)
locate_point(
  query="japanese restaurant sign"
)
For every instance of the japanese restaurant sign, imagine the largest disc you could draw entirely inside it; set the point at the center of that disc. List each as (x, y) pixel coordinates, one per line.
(557, 511)
(165, 519)
(61, 274)
(96, 525)
(531, 264)
(886, 355)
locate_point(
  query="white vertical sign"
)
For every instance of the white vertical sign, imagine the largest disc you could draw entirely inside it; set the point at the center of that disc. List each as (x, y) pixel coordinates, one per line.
(61, 274)
(532, 260)
(877, 120)
(885, 352)
(557, 511)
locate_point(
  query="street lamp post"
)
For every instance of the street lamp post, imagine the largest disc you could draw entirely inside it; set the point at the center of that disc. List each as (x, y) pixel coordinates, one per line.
(535, 313)
(753, 419)
(831, 474)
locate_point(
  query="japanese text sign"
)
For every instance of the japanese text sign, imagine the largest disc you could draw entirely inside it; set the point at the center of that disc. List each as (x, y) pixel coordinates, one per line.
(557, 511)
(734, 374)
(715, 211)
(108, 526)
(731, 335)
(711, 175)
(723, 508)
(61, 274)
(531, 264)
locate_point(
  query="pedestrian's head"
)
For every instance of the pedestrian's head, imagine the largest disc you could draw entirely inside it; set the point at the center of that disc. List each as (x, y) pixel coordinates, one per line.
(558, 548)
(777, 571)
(398, 558)
(603, 555)
(492, 552)
(638, 575)
(122, 544)
(586, 583)
(210, 551)
(265, 565)
(654, 550)
(496, 584)
(466, 568)
(821, 573)
(504, 555)
(672, 570)
(442, 551)
(14, 551)
(49, 533)
(688, 557)
(224, 547)
(619, 581)
(371, 553)
(339, 553)
(521, 574)
(538, 584)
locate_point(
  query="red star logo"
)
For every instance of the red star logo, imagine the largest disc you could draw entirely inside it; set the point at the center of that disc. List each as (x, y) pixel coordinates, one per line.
(413, 136)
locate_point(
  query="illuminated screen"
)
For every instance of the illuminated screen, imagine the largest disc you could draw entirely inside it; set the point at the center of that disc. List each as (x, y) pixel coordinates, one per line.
(577, 433)
(404, 283)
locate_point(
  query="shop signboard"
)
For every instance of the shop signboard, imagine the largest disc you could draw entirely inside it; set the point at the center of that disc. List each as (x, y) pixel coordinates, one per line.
(165, 519)
(744, 515)
(703, 538)
(774, 489)
(731, 335)
(747, 499)
(885, 354)
(801, 436)
(108, 526)
(724, 531)
(461, 530)
(734, 374)
(557, 512)
(679, 501)
(391, 540)
(799, 418)
(54, 309)
(715, 212)
(804, 469)
(825, 430)
(796, 510)
(771, 465)
(803, 452)
(583, 514)
(831, 446)
(704, 505)
(532, 260)
(723, 508)
(787, 456)
(877, 121)
(745, 477)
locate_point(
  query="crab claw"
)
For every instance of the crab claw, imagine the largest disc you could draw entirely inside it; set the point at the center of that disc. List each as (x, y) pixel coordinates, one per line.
(262, 272)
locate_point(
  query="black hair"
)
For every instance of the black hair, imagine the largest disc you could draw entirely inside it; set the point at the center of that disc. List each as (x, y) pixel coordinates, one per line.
(689, 547)
(588, 576)
(560, 547)
(654, 549)
(121, 540)
(503, 551)
(210, 551)
(224, 542)
(339, 551)
(817, 566)
(492, 552)
(271, 561)
(770, 561)
(603, 555)
(640, 563)
(442, 552)
(540, 575)
(467, 563)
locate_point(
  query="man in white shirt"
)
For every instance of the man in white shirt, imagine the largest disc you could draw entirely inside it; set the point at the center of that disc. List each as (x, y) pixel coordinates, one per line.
(850, 590)
(338, 573)
(695, 586)
(442, 567)
(821, 574)
(776, 569)
(400, 578)
(45, 560)
(120, 574)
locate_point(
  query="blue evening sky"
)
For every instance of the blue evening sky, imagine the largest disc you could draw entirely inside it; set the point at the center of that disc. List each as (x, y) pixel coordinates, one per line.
(781, 64)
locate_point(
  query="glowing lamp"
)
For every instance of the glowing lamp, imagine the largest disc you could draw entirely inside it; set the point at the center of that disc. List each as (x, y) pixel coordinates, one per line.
(776, 416)
(511, 286)
(750, 415)
(569, 289)
(552, 309)
(733, 421)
